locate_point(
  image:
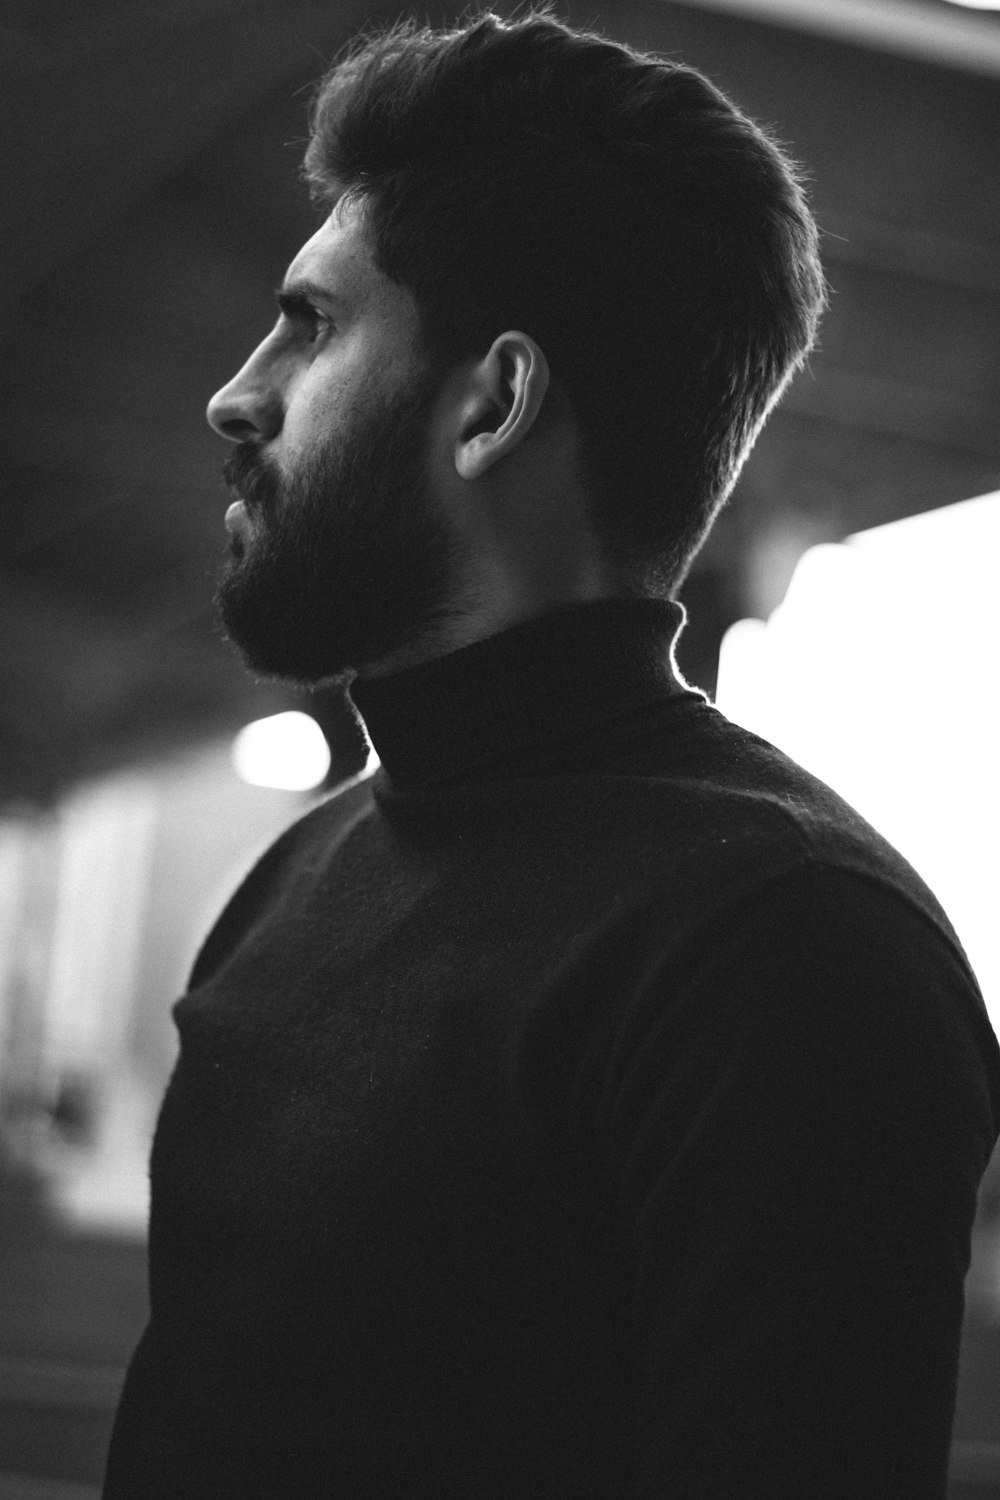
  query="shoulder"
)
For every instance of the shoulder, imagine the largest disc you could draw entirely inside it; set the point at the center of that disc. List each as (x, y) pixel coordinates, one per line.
(740, 896)
(694, 810)
(762, 817)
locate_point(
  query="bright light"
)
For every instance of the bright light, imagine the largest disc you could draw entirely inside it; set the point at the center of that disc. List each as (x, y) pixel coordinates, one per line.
(977, 4)
(878, 673)
(287, 751)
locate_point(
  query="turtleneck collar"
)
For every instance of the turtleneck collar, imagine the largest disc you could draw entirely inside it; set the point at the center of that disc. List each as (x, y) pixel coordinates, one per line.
(557, 677)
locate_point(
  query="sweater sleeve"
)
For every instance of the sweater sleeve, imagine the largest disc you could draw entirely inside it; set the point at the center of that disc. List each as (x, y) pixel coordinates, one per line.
(798, 1116)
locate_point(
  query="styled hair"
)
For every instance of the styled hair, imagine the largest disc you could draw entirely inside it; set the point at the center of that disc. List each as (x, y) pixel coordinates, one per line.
(616, 206)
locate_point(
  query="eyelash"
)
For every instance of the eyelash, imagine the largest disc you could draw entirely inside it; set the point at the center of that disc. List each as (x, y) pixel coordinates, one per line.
(317, 322)
(306, 313)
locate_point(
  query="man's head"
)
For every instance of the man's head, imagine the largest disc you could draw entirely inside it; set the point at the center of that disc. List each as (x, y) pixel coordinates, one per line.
(574, 280)
(338, 552)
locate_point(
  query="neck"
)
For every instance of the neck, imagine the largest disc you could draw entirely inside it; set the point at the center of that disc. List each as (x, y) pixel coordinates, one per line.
(456, 633)
(498, 600)
(509, 693)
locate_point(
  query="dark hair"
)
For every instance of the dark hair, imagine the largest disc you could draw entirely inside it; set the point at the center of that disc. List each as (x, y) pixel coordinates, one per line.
(613, 204)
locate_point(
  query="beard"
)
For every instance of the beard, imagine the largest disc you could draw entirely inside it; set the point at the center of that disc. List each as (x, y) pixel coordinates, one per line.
(349, 560)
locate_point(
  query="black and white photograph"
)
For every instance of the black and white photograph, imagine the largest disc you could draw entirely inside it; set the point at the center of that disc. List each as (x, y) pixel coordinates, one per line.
(499, 750)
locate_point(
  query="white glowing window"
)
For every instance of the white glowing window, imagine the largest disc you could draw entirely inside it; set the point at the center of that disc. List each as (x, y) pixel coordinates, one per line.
(288, 751)
(880, 673)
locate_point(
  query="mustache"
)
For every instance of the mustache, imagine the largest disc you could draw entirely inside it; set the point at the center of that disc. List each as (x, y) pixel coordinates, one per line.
(247, 471)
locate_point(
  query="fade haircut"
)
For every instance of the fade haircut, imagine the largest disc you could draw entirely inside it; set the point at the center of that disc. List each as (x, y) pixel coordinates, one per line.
(616, 206)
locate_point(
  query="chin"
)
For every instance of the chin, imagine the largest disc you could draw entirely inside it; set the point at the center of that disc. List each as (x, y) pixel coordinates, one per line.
(278, 662)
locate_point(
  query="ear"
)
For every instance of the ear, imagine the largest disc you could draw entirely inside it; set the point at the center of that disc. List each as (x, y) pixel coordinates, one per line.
(504, 394)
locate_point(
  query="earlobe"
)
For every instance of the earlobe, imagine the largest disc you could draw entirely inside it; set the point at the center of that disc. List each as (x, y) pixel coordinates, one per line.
(511, 383)
(474, 455)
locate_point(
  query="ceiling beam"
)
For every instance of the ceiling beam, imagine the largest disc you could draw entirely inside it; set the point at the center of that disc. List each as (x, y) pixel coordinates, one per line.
(95, 115)
(949, 38)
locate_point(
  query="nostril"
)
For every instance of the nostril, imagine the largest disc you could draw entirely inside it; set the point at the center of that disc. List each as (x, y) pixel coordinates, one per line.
(238, 431)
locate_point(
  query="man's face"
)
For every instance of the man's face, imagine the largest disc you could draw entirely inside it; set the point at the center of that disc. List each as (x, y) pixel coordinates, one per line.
(339, 554)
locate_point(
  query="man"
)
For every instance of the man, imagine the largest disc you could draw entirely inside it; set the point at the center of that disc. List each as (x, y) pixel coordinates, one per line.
(589, 1103)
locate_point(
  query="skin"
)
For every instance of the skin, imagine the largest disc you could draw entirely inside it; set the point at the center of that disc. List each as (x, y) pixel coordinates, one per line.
(499, 469)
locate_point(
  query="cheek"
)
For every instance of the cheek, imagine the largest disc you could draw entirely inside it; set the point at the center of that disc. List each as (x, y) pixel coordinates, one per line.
(314, 413)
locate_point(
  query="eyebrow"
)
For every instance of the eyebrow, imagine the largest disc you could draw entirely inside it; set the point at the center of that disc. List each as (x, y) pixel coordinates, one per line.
(296, 297)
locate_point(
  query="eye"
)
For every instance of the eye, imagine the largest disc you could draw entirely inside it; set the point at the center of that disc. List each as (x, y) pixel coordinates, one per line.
(306, 319)
(312, 322)
(317, 325)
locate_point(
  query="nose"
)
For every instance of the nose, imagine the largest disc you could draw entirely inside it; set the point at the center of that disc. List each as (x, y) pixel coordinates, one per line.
(248, 409)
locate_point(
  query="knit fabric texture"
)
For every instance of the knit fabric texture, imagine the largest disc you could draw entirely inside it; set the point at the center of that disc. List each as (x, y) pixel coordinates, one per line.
(589, 1105)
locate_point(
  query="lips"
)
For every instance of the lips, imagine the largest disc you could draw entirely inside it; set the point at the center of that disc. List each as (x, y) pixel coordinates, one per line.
(239, 525)
(254, 486)
(237, 519)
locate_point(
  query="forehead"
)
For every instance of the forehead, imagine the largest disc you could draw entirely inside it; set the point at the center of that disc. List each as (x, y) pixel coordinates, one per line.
(337, 260)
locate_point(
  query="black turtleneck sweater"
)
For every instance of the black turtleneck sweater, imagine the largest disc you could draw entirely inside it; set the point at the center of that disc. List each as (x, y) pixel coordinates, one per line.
(587, 1106)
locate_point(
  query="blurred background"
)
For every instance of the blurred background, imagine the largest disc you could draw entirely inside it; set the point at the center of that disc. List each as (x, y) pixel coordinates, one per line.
(148, 204)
